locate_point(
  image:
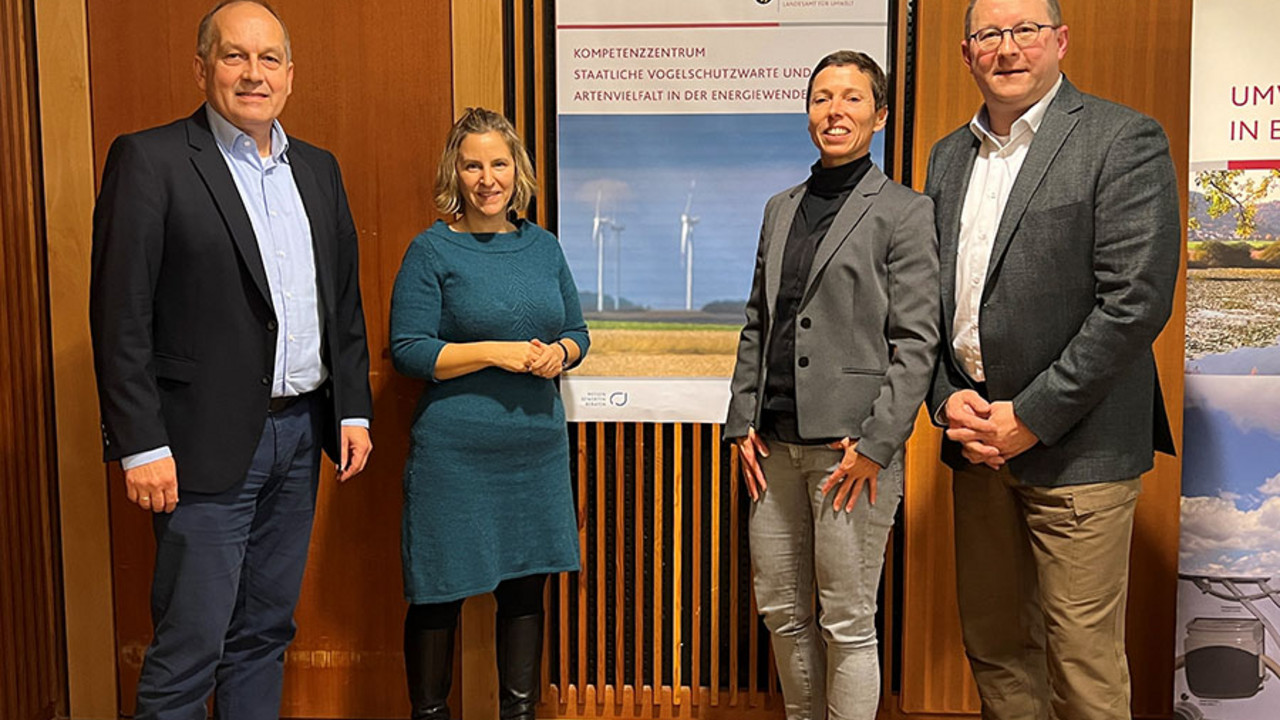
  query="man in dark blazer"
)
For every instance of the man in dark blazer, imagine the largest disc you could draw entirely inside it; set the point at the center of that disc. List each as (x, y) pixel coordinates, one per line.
(1059, 240)
(833, 363)
(229, 344)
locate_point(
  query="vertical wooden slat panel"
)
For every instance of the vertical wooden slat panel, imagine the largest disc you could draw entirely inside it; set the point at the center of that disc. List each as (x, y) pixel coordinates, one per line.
(580, 678)
(619, 560)
(677, 558)
(601, 606)
(695, 572)
(31, 681)
(753, 658)
(716, 486)
(563, 632)
(641, 570)
(659, 618)
(735, 680)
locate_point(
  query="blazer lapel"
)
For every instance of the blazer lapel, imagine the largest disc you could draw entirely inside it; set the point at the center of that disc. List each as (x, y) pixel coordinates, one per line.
(1059, 120)
(322, 240)
(778, 232)
(212, 168)
(857, 204)
(956, 171)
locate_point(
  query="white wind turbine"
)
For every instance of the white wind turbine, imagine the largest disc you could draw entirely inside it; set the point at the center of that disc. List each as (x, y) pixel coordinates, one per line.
(597, 236)
(617, 229)
(687, 222)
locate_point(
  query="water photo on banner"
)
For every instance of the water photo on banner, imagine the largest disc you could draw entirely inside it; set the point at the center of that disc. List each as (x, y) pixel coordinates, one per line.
(1228, 629)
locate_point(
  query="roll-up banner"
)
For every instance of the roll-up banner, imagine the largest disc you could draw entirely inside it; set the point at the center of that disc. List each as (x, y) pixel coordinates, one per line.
(677, 121)
(1228, 631)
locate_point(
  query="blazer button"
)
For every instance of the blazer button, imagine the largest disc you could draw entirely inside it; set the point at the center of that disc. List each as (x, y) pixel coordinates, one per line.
(266, 380)
(271, 325)
(804, 362)
(805, 323)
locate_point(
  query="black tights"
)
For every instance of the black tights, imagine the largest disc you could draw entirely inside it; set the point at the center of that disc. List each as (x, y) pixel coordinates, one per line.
(516, 597)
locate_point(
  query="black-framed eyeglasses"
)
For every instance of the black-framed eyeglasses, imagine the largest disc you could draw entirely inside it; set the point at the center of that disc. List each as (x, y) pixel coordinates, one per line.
(1024, 34)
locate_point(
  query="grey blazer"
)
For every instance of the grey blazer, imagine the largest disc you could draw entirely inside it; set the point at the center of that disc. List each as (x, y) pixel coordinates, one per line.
(1081, 280)
(867, 324)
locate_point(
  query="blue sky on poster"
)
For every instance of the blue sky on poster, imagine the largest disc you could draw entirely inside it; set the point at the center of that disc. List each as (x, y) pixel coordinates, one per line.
(1231, 476)
(642, 166)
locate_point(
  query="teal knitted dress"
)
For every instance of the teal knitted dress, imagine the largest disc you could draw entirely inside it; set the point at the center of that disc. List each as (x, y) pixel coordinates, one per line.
(487, 495)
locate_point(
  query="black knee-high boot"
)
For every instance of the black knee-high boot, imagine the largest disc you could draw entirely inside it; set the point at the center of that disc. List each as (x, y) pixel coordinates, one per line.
(519, 666)
(428, 662)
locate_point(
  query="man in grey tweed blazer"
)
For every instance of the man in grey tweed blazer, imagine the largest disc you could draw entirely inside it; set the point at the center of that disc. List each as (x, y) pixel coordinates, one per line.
(1059, 238)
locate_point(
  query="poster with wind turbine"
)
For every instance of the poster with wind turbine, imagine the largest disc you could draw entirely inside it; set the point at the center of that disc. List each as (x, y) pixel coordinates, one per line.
(676, 122)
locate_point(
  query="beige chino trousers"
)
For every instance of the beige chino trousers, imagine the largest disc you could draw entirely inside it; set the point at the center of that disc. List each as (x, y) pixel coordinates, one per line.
(1043, 576)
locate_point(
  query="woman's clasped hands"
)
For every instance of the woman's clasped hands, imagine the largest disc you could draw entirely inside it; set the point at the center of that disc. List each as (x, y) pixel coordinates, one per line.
(546, 360)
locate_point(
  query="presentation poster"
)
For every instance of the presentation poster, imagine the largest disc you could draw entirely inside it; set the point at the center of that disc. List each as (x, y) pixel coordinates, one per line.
(677, 121)
(1228, 631)
(1233, 282)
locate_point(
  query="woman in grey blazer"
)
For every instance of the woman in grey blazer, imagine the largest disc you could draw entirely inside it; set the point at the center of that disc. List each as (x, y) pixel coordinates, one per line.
(833, 363)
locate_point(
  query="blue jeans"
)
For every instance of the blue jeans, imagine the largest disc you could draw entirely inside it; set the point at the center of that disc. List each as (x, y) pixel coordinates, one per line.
(228, 571)
(828, 664)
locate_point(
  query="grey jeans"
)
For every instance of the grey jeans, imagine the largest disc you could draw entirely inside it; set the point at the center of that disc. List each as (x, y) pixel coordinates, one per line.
(799, 544)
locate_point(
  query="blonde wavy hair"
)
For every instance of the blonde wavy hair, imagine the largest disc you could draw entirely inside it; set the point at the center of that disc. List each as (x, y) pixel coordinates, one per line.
(478, 121)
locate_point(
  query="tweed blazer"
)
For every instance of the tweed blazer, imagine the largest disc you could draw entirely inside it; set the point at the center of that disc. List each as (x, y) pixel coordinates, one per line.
(1080, 282)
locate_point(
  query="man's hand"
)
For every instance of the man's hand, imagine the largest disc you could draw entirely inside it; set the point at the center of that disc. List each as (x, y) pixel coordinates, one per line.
(752, 474)
(1012, 437)
(153, 486)
(854, 471)
(989, 433)
(353, 451)
(969, 423)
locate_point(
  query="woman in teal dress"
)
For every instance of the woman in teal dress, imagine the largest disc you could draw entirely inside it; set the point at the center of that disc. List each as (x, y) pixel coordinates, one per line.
(486, 311)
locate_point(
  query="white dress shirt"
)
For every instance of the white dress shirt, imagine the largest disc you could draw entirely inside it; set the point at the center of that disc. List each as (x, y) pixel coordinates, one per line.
(995, 169)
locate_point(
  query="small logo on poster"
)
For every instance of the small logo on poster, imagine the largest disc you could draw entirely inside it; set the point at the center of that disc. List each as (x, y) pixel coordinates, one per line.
(619, 399)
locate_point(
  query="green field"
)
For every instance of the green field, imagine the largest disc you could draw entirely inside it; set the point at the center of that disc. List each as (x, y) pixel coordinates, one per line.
(627, 325)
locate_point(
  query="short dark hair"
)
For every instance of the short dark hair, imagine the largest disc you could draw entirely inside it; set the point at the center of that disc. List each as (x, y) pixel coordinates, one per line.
(205, 38)
(1052, 6)
(862, 61)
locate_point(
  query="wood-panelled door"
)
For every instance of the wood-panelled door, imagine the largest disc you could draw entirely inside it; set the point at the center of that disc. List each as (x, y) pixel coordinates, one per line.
(32, 662)
(373, 85)
(1133, 52)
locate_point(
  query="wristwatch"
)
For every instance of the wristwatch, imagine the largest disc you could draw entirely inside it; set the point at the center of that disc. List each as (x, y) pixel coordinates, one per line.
(564, 364)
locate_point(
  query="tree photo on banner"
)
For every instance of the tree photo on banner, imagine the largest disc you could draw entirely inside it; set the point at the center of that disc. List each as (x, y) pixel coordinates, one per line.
(1228, 631)
(676, 123)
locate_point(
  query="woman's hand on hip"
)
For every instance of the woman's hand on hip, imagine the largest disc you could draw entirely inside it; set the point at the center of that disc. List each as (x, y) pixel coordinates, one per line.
(854, 471)
(752, 450)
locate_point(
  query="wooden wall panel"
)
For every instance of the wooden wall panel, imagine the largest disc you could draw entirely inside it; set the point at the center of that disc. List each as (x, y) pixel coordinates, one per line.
(66, 138)
(373, 85)
(32, 669)
(1136, 53)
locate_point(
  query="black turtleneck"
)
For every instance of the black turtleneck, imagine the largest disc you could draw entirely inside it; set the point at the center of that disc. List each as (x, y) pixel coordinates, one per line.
(824, 195)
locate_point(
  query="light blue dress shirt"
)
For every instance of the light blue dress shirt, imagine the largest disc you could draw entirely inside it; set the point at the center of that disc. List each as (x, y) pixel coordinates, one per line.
(280, 224)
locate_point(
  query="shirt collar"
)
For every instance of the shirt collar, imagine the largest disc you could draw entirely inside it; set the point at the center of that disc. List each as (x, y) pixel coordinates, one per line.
(231, 138)
(1030, 120)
